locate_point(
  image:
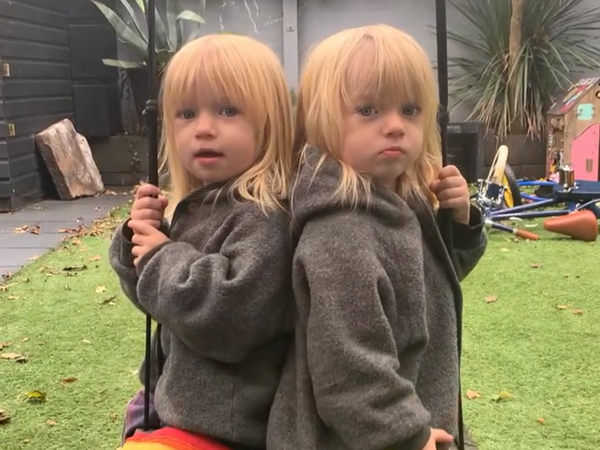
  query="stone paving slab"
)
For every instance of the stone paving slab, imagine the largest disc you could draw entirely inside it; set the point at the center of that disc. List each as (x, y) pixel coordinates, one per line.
(51, 216)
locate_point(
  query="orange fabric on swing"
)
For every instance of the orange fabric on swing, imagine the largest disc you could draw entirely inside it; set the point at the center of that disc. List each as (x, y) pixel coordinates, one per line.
(168, 438)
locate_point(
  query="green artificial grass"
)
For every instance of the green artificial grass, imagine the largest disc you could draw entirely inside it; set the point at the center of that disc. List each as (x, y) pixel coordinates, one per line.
(531, 330)
(84, 343)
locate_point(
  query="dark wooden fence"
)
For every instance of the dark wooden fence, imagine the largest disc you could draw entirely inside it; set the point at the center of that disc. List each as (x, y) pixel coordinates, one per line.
(51, 69)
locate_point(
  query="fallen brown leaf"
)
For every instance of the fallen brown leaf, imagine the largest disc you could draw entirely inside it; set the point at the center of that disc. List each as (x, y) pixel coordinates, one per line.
(4, 345)
(541, 421)
(578, 312)
(25, 339)
(36, 230)
(85, 341)
(16, 357)
(114, 416)
(13, 297)
(100, 289)
(472, 395)
(51, 422)
(77, 268)
(68, 380)
(3, 288)
(491, 298)
(562, 307)
(109, 301)
(536, 265)
(21, 230)
(7, 275)
(95, 258)
(4, 417)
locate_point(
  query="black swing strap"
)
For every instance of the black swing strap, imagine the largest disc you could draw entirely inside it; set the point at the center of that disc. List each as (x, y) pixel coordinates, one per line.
(151, 117)
(445, 222)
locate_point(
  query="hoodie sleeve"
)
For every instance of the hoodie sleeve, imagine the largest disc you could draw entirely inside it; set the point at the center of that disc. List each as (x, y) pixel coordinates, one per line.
(469, 243)
(351, 347)
(121, 260)
(222, 304)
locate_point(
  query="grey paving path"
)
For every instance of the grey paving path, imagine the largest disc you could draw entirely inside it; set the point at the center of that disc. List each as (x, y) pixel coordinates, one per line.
(51, 216)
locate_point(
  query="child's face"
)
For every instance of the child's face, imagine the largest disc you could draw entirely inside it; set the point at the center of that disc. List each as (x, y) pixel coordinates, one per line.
(382, 141)
(215, 141)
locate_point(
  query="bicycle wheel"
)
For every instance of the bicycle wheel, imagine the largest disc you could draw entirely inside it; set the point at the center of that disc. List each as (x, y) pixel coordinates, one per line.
(512, 195)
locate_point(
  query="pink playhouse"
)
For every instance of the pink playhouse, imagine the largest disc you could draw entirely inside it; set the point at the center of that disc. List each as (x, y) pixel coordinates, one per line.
(574, 131)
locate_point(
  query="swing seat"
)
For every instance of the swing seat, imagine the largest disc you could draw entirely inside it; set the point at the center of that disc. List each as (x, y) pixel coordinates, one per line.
(168, 438)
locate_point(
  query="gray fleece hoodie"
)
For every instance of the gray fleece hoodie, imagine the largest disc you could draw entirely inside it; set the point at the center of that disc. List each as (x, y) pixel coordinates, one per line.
(375, 361)
(222, 291)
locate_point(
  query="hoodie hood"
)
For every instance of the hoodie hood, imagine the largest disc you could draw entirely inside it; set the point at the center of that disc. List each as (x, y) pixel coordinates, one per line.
(314, 194)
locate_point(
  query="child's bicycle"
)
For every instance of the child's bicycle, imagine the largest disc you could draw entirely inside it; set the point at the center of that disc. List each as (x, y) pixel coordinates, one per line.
(571, 205)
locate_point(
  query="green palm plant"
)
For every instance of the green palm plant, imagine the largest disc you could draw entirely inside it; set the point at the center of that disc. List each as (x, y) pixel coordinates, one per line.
(512, 98)
(131, 28)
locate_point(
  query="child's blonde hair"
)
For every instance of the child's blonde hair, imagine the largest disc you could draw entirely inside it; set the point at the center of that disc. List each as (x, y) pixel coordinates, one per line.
(247, 73)
(375, 62)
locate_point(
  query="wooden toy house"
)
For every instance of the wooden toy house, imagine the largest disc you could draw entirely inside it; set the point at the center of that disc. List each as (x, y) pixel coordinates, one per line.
(574, 131)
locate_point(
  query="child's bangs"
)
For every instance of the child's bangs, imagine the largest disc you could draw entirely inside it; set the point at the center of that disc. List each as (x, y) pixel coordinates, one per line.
(383, 74)
(215, 74)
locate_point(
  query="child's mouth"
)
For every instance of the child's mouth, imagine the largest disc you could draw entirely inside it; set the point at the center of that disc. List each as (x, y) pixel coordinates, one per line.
(208, 155)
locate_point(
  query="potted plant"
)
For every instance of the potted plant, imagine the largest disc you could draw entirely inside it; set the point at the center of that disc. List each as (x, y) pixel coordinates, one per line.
(129, 22)
(515, 56)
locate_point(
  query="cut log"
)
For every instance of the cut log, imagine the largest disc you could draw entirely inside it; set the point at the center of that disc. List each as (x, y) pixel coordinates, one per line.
(68, 157)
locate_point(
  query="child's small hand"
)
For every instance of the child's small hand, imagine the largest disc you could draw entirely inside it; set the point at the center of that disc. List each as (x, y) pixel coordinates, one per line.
(149, 205)
(437, 436)
(453, 193)
(145, 237)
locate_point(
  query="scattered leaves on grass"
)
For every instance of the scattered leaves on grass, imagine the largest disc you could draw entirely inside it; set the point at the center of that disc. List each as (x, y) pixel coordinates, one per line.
(25, 339)
(95, 258)
(100, 289)
(4, 416)
(562, 307)
(472, 395)
(541, 421)
(504, 249)
(13, 297)
(68, 380)
(503, 395)
(51, 422)
(536, 265)
(85, 341)
(7, 276)
(3, 288)
(578, 312)
(113, 416)
(4, 345)
(16, 357)
(35, 397)
(491, 298)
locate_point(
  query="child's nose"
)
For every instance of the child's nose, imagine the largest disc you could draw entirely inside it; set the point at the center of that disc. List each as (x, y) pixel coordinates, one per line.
(394, 125)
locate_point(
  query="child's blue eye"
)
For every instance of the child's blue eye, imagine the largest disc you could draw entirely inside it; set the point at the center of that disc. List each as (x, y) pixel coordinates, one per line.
(410, 110)
(229, 112)
(186, 114)
(366, 111)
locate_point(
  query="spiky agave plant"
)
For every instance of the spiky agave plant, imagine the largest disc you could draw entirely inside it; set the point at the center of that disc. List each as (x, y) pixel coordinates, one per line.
(131, 28)
(557, 41)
